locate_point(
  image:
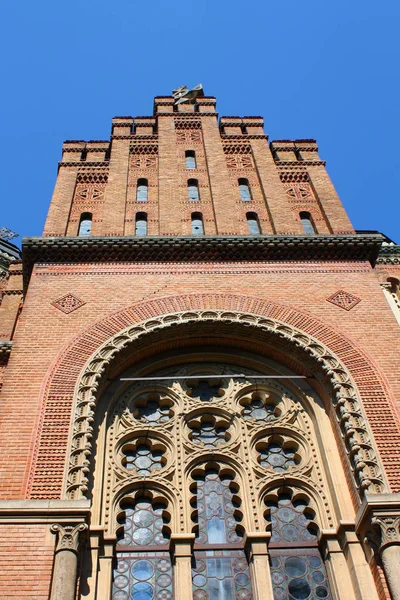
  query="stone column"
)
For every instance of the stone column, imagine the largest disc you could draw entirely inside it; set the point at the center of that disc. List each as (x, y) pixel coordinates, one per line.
(389, 550)
(66, 560)
(181, 549)
(256, 546)
(378, 523)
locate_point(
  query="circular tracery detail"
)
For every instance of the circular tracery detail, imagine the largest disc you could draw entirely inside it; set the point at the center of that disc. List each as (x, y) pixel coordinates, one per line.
(278, 453)
(143, 456)
(152, 408)
(209, 431)
(261, 406)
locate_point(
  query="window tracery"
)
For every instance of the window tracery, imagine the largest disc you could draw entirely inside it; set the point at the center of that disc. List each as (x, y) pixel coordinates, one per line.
(263, 427)
(218, 572)
(144, 569)
(297, 570)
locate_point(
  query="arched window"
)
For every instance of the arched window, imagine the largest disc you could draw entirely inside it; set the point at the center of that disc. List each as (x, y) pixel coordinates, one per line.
(224, 574)
(308, 223)
(144, 567)
(141, 224)
(253, 223)
(244, 188)
(297, 570)
(142, 190)
(197, 224)
(85, 224)
(193, 190)
(190, 159)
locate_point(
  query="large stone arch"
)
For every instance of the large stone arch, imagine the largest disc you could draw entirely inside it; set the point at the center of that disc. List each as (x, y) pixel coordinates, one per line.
(359, 393)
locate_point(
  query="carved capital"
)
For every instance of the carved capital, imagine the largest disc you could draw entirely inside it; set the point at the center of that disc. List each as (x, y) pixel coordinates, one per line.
(68, 536)
(378, 521)
(387, 528)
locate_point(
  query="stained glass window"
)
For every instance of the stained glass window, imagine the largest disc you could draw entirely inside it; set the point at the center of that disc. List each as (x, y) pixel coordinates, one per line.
(221, 575)
(209, 433)
(153, 409)
(218, 573)
(297, 570)
(260, 409)
(142, 459)
(291, 521)
(278, 457)
(298, 575)
(143, 525)
(141, 574)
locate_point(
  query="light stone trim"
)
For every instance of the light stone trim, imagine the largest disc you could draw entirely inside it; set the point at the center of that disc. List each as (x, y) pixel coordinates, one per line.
(357, 439)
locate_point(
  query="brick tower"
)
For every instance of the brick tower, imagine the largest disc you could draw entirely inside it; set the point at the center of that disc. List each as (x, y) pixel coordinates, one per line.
(202, 387)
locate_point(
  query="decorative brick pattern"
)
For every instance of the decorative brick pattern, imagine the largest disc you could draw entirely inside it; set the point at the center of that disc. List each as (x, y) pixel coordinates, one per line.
(376, 401)
(68, 303)
(344, 300)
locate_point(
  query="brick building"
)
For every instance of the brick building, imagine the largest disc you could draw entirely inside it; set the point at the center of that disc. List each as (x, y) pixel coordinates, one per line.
(202, 387)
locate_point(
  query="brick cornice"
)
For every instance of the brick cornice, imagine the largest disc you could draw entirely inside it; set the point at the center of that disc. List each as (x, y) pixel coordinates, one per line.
(195, 249)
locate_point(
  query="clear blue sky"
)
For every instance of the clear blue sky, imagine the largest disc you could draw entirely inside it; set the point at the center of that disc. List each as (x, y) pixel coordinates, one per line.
(324, 69)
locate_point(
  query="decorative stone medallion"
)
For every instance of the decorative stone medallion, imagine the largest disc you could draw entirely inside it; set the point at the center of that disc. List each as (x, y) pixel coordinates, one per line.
(344, 300)
(68, 303)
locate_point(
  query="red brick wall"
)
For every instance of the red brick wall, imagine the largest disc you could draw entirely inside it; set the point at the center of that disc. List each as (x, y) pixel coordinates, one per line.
(237, 148)
(26, 557)
(44, 331)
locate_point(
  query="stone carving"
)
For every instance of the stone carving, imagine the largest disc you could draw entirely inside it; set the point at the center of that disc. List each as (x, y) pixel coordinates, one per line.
(68, 303)
(356, 437)
(68, 536)
(7, 234)
(344, 300)
(183, 95)
(389, 530)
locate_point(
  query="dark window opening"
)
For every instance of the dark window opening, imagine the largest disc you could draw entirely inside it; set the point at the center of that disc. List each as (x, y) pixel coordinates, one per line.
(193, 190)
(141, 224)
(253, 223)
(308, 223)
(197, 224)
(85, 224)
(142, 190)
(244, 189)
(190, 159)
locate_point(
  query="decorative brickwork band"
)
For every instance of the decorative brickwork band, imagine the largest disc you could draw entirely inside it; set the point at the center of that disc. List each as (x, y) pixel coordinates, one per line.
(357, 441)
(358, 385)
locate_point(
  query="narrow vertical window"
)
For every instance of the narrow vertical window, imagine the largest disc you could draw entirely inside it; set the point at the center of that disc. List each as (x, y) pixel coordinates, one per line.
(190, 159)
(141, 224)
(142, 190)
(253, 223)
(197, 224)
(85, 224)
(244, 189)
(308, 223)
(220, 569)
(193, 190)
